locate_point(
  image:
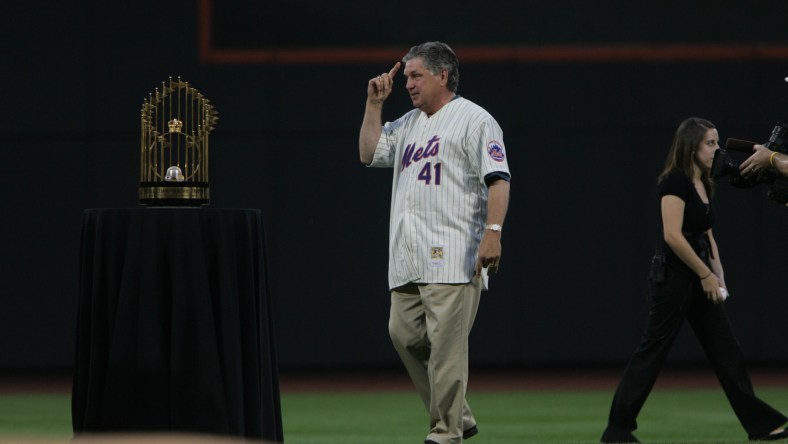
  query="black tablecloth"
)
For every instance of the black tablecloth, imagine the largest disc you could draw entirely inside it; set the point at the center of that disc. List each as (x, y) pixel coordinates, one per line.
(174, 327)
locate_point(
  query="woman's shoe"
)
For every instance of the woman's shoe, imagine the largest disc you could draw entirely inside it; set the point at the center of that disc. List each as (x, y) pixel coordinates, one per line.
(774, 436)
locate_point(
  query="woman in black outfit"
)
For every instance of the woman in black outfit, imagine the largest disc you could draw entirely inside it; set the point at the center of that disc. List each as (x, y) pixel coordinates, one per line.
(693, 288)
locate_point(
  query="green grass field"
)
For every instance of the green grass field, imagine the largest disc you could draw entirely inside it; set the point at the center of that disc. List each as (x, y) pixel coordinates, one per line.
(397, 417)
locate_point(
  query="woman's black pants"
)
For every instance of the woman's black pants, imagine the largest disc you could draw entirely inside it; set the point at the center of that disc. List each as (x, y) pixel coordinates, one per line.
(681, 297)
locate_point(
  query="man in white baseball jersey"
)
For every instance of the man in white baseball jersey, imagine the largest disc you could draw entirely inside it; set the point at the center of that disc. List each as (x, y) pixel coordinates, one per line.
(449, 198)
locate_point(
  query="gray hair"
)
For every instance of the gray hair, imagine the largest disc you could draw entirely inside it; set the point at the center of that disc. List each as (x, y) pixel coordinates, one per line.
(437, 57)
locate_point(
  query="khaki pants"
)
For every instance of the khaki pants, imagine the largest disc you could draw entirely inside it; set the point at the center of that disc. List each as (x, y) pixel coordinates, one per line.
(429, 325)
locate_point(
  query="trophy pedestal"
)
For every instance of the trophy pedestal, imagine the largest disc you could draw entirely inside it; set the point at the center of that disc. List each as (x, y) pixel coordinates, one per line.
(174, 194)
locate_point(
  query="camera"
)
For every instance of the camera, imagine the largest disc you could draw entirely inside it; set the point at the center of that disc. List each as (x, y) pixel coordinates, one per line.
(727, 165)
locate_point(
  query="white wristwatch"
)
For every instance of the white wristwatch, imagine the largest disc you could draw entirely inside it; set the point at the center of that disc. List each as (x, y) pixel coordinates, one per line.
(493, 227)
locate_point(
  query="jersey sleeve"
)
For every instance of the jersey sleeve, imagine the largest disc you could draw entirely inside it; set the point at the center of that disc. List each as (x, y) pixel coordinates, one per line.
(386, 150)
(490, 155)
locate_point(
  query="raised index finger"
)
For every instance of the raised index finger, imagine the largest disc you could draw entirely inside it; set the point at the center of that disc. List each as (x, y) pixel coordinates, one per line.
(394, 70)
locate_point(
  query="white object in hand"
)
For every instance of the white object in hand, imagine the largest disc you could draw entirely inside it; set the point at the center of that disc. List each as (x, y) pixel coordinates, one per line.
(724, 293)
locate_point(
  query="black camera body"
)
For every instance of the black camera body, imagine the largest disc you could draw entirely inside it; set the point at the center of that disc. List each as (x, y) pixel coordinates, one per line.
(725, 164)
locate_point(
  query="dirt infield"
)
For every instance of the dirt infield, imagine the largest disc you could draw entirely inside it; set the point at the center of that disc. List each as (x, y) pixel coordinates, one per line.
(519, 380)
(566, 379)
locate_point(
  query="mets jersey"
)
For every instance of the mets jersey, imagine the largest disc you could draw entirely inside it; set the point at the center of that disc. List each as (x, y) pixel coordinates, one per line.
(439, 195)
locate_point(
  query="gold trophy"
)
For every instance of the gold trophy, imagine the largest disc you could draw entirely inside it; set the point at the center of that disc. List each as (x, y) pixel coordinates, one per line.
(176, 122)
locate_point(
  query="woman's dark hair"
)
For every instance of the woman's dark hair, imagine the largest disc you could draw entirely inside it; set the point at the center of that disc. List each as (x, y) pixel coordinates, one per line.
(437, 57)
(682, 152)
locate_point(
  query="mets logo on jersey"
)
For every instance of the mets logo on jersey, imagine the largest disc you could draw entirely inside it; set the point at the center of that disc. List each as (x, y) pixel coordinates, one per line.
(495, 150)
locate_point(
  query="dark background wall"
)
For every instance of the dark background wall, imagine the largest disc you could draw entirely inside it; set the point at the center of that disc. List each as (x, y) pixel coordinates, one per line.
(587, 123)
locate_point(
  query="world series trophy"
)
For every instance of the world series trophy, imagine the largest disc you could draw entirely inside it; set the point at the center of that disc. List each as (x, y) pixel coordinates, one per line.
(176, 123)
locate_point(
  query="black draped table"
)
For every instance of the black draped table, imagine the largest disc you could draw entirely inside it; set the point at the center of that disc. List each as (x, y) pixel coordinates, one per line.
(174, 330)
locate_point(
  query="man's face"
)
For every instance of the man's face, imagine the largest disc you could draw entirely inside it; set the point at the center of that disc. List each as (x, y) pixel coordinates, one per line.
(424, 87)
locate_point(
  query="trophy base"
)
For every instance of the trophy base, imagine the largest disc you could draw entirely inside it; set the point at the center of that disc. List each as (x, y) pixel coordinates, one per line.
(174, 194)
